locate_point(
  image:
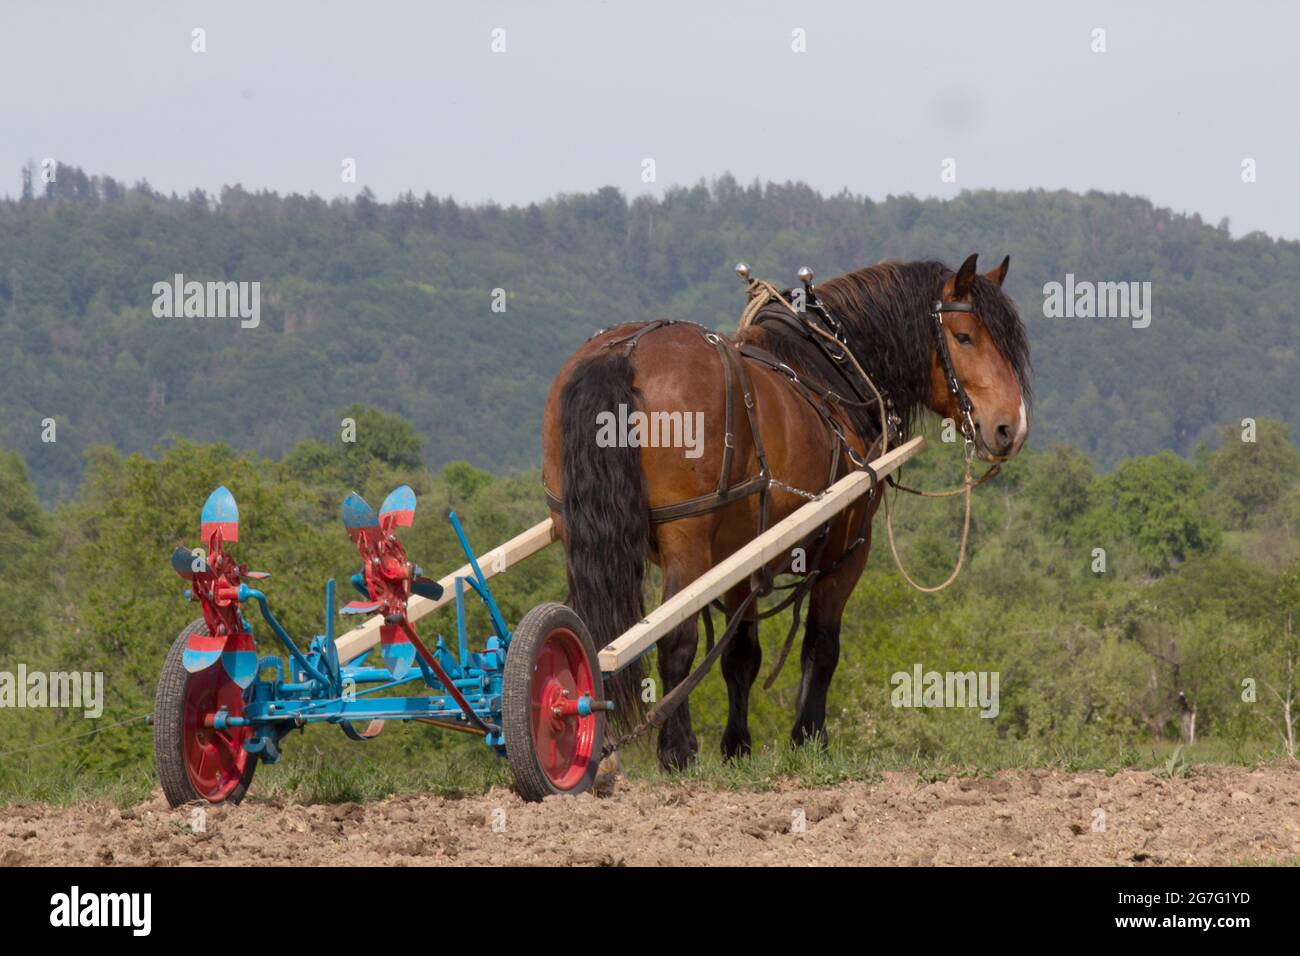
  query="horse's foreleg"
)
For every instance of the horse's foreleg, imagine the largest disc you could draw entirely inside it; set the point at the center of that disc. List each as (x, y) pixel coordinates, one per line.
(818, 658)
(820, 653)
(740, 665)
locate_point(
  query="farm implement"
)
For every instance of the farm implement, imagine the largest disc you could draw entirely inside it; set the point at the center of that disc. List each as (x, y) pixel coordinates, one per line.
(535, 694)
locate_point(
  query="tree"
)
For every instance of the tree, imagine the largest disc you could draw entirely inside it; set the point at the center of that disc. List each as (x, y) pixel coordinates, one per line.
(382, 436)
(464, 480)
(1157, 504)
(1058, 487)
(26, 543)
(1285, 660)
(1248, 477)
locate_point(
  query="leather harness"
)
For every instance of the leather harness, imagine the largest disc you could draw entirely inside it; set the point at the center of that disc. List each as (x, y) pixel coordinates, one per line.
(823, 399)
(732, 356)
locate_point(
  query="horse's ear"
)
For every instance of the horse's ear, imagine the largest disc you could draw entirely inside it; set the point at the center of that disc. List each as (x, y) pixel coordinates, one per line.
(965, 279)
(1000, 273)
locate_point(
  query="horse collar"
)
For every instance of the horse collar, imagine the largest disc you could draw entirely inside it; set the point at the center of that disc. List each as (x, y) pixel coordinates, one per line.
(813, 304)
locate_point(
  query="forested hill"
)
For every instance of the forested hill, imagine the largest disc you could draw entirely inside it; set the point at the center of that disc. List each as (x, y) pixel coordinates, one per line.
(392, 304)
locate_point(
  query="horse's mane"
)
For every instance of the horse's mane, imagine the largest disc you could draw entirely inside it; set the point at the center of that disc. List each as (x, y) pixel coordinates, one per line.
(885, 312)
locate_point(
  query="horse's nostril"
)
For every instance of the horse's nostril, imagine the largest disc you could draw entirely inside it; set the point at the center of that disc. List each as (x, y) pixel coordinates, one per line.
(1005, 436)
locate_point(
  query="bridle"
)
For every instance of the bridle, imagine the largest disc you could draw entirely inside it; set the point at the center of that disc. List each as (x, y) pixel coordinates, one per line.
(964, 406)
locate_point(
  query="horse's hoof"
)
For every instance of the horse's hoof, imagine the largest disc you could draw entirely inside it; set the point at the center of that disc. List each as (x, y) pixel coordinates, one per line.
(675, 763)
(673, 759)
(803, 736)
(735, 749)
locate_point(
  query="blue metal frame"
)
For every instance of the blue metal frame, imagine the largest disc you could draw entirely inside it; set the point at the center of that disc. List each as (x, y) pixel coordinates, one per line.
(319, 689)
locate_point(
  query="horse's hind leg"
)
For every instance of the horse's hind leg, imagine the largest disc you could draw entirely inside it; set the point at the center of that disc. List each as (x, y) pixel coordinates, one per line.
(740, 665)
(684, 557)
(820, 653)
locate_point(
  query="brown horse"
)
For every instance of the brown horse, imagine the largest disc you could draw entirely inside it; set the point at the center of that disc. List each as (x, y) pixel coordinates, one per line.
(613, 477)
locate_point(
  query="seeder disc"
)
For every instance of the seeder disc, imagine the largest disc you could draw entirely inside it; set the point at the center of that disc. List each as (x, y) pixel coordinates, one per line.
(195, 760)
(551, 667)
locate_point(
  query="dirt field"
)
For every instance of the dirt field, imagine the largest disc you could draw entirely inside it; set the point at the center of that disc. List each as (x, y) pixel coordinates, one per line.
(1215, 816)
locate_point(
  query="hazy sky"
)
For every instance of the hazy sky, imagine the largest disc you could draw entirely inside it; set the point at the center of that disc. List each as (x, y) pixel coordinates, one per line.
(585, 91)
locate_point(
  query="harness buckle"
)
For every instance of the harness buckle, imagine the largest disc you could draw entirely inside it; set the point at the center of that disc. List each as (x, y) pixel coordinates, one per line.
(968, 430)
(729, 440)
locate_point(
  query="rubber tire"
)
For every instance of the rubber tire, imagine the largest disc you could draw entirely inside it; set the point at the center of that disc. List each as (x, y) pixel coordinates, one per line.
(531, 781)
(168, 729)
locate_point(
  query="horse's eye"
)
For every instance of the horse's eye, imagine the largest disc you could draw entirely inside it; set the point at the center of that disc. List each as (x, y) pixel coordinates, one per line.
(962, 337)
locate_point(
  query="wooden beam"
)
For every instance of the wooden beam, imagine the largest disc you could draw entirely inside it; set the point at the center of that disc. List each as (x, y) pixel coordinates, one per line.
(767, 547)
(499, 559)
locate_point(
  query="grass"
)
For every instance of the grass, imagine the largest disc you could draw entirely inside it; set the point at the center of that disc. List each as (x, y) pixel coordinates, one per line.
(61, 786)
(779, 765)
(1291, 861)
(331, 775)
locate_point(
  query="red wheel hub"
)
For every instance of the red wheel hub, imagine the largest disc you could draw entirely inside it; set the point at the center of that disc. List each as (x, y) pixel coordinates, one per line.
(562, 738)
(216, 759)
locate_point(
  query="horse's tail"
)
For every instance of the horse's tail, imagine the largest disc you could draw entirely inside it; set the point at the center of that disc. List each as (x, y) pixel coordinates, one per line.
(606, 518)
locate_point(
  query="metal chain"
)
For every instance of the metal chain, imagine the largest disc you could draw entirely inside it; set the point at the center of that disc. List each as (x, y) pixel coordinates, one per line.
(613, 746)
(811, 496)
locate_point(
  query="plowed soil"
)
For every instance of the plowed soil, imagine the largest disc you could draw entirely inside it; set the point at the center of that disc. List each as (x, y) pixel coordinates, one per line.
(1214, 816)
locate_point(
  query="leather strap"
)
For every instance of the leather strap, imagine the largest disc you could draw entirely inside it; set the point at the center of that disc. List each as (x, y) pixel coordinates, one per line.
(630, 340)
(964, 406)
(728, 434)
(733, 357)
(691, 506)
(733, 368)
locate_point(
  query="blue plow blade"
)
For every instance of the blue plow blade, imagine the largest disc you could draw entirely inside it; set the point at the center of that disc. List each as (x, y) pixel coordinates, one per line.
(357, 514)
(241, 666)
(220, 511)
(183, 561)
(398, 658)
(426, 588)
(194, 661)
(400, 504)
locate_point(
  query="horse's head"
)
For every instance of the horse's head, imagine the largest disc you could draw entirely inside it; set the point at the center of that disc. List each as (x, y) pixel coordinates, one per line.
(990, 357)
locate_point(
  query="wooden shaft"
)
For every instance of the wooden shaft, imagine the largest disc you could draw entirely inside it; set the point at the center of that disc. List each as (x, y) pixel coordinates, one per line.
(767, 547)
(518, 548)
